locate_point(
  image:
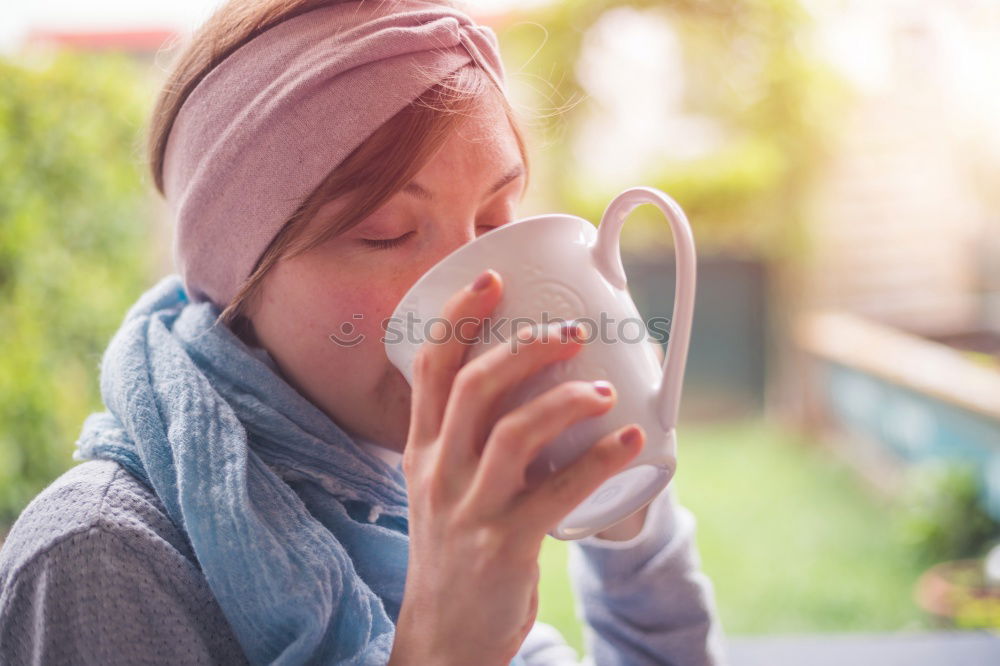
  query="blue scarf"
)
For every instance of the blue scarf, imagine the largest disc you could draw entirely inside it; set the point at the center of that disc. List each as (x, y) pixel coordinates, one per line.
(300, 533)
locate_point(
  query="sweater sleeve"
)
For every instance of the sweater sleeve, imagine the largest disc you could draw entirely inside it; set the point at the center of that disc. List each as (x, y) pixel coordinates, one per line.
(98, 596)
(645, 601)
(545, 646)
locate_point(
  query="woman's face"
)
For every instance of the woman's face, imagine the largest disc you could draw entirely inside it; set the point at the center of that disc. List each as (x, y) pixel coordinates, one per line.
(471, 185)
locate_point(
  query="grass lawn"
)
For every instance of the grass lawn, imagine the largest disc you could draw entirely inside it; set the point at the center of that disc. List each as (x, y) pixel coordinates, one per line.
(791, 539)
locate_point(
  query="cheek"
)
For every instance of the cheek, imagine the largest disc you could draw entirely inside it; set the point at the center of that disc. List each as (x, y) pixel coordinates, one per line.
(350, 305)
(306, 305)
(361, 309)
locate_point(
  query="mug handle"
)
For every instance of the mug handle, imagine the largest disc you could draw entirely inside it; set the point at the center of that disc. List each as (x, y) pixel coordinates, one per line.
(606, 253)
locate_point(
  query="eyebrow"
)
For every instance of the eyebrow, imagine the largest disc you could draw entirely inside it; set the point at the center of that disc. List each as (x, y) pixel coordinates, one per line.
(416, 190)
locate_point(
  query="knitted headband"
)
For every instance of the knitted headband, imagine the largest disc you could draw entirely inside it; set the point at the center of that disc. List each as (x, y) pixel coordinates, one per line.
(263, 129)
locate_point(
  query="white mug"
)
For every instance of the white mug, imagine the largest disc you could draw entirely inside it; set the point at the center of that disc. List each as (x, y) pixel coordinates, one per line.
(560, 267)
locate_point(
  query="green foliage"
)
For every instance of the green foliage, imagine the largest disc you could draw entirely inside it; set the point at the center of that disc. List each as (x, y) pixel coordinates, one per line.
(940, 513)
(74, 251)
(790, 538)
(977, 613)
(747, 67)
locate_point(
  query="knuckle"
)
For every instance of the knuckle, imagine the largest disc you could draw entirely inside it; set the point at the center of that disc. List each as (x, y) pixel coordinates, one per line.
(511, 427)
(426, 488)
(436, 496)
(562, 482)
(471, 378)
(487, 539)
(409, 464)
(494, 547)
(486, 544)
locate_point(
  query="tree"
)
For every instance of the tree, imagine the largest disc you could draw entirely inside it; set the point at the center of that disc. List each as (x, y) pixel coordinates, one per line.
(75, 251)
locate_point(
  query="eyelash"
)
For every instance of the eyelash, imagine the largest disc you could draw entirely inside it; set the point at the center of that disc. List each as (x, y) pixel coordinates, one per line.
(389, 243)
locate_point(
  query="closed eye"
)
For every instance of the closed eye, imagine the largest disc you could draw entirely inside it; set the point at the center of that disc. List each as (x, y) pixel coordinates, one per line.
(389, 243)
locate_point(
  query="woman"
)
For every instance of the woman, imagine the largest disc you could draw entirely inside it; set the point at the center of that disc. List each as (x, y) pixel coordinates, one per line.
(256, 492)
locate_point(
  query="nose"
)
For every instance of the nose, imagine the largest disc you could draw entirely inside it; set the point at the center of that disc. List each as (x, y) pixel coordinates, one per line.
(450, 238)
(454, 236)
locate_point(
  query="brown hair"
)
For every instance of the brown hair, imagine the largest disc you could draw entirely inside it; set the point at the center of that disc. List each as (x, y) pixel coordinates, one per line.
(370, 175)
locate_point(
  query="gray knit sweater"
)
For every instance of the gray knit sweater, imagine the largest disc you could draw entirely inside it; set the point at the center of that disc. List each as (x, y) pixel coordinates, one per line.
(94, 572)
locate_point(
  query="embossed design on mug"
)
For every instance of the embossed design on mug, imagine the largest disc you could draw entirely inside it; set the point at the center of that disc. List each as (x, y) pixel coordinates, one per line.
(606, 494)
(577, 367)
(555, 298)
(532, 270)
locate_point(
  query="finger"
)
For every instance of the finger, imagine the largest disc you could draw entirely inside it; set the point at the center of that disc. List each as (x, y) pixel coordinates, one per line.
(560, 493)
(522, 433)
(440, 356)
(479, 385)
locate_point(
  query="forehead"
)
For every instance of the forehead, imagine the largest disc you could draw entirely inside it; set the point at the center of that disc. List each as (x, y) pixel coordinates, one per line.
(486, 121)
(481, 139)
(482, 144)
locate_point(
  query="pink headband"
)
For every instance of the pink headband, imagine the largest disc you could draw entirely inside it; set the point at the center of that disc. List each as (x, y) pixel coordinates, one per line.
(268, 123)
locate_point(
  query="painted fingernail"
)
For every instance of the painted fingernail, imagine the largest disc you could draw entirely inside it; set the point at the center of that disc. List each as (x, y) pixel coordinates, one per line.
(604, 388)
(483, 281)
(630, 436)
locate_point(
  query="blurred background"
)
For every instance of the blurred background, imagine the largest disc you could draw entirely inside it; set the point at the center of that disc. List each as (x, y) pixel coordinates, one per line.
(839, 161)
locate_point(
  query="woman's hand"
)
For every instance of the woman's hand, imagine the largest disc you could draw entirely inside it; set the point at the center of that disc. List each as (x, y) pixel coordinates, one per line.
(476, 527)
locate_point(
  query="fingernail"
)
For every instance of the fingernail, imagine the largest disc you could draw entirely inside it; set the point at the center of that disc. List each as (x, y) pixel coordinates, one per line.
(484, 280)
(604, 388)
(630, 436)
